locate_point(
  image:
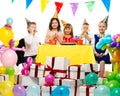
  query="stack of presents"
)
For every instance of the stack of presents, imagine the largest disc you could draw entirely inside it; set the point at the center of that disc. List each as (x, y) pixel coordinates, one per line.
(64, 74)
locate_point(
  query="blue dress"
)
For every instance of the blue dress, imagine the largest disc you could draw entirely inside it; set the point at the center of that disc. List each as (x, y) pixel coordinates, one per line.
(106, 58)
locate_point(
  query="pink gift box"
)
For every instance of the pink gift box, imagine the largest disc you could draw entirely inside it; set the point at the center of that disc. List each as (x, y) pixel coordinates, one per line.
(57, 66)
(37, 70)
(4, 77)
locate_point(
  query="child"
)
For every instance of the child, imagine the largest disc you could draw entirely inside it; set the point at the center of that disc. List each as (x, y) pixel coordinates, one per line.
(54, 34)
(85, 36)
(68, 33)
(101, 56)
(31, 41)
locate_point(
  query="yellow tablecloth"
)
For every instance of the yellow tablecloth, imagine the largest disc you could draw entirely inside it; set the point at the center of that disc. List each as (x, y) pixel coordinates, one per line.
(78, 54)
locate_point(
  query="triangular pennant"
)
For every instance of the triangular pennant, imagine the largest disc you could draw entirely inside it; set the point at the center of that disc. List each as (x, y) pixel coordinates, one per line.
(58, 6)
(90, 5)
(12, 1)
(43, 4)
(107, 4)
(28, 2)
(74, 7)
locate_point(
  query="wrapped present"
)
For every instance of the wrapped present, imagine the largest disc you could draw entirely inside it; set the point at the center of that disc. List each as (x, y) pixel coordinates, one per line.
(73, 85)
(4, 77)
(57, 66)
(100, 81)
(76, 72)
(90, 67)
(25, 80)
(46, 90)
(86, 90)
(37, 70)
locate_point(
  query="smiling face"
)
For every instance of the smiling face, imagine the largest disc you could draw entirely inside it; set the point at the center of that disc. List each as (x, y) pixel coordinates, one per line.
(102, 27)
(32, 27)
(54, 24)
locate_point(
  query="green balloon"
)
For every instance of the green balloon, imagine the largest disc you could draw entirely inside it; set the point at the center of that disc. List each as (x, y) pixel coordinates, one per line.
(113, 84)
(105, 81)
(111, 76)
(10, 70)
(118, 77)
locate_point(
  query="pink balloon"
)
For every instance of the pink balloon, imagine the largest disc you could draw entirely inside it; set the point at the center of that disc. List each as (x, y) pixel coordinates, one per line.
(9, 58)
(49, 79)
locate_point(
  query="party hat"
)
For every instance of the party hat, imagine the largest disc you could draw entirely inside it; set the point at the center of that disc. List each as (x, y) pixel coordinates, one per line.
(55, 15)
(85, 21)
(105, 20)
(64, 23)
(27, 21)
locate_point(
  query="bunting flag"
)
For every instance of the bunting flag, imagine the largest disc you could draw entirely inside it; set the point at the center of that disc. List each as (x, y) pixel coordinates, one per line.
(12, 1)
(90, 5)
(74, 7)
(58, 6)
(107, 4)
(28, 2)
(44, 4)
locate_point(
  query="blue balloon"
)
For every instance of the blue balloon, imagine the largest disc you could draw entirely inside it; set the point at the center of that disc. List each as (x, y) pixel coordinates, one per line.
(91, 78)
(60, 91)
(33, 90)
(115, 92)
(9, 20)
(102, 90)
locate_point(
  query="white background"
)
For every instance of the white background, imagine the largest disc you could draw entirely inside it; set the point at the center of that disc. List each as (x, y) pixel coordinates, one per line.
(17, 11)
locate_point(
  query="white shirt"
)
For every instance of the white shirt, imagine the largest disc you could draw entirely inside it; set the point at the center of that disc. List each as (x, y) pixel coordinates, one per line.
(31, 44)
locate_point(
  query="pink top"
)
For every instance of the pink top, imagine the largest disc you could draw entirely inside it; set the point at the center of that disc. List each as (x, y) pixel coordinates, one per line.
(53, 36)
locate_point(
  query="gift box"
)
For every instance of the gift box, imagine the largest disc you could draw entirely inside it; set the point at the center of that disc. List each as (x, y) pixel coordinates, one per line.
(46, 90)
(76, 72)
(57, 66)
(4, 77)
(25, 80)
(72, 84)
(90, 67)
(86, 90)
(37, 70)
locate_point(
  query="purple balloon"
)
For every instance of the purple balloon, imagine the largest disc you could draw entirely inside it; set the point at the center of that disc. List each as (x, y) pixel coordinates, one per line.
(118, 45)
(19, 90)
(113, 44)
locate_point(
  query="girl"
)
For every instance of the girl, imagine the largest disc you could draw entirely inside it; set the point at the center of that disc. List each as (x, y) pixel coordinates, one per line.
(68, 33)
(54, 34)
(101, 56)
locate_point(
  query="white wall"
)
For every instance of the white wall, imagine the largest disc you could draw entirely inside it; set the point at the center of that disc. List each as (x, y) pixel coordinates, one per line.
(18, 12)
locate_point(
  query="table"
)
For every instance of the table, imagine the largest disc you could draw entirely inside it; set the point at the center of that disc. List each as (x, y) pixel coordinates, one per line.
(78, 54)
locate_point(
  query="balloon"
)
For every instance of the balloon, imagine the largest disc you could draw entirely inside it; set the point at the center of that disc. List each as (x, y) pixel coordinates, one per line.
(102, 90)
(105, 81)
(118, 77)
(9, 20)
(111, 76)
(6, 35)
(115, 92)
(49, 79)
(33, 90)
(19, 90)
(9, 58)
(113, 84)
(2, 69)
(29, 61)
(60, 91)
(10, 70)
(6, 88)
(91, 78)
(118, 45)
(113, 44)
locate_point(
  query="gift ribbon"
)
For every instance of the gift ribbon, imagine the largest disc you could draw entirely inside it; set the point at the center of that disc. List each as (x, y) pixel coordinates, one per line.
(78, 71)
(87, 89)
(52, 70)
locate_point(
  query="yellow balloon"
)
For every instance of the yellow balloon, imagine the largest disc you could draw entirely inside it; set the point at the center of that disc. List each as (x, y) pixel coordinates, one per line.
(6, 88)
(16, 43)
(6, 35)
(2, 70)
